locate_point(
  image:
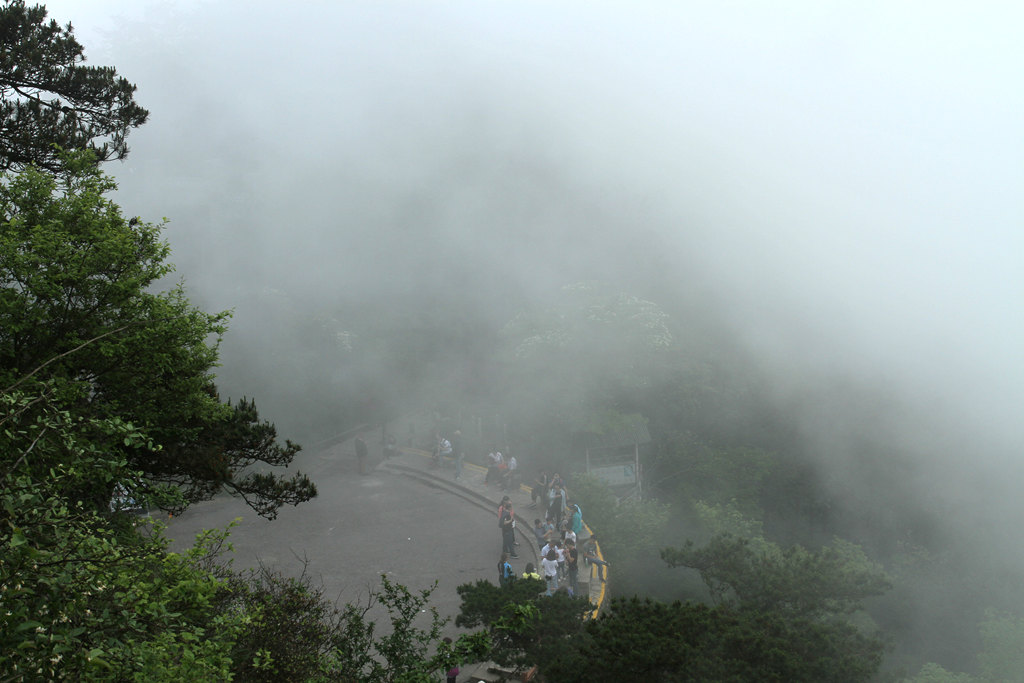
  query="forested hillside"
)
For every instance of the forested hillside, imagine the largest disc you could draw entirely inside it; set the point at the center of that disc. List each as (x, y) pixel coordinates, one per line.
(807, 510)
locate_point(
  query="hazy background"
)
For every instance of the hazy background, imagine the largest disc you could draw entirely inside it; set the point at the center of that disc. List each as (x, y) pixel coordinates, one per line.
(838, 182)
(832, 188)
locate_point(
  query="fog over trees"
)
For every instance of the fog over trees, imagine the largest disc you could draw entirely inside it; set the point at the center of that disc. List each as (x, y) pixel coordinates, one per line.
(787, 237)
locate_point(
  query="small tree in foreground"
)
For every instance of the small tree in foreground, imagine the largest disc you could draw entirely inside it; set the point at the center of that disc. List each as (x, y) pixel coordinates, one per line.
(524, 626)
(292, 632)
(87, 594)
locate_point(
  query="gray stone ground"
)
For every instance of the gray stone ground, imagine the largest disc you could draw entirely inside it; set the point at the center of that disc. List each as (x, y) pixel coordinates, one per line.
(358, 528)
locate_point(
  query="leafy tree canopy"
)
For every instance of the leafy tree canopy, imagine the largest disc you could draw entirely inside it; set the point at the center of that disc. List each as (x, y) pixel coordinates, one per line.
(580, 351)
(627, 527)
(759, 575)
(525, 626)
(85, 595)
(648, 640)
(78, 311)
(49, 99)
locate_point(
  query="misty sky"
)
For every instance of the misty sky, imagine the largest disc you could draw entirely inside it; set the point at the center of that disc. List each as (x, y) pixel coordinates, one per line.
(840, 182)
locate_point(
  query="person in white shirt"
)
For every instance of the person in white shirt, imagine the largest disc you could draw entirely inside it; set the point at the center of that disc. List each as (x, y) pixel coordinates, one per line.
(549, 568)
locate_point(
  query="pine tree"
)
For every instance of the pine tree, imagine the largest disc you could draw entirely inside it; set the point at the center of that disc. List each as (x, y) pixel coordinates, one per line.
(49, 100)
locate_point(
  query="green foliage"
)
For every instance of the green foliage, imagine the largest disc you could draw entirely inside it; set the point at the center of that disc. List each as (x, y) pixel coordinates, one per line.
(647, 640)
(1000, 661)
(1002, 656)
(585, 346)
(793, 601)
(285, 634)
(287, 630)
(933, 673)
(793, 580)
(50, 99)
(585, 317)
(626, 527)
(106, 389)
(524, 625)
(88, 595)
(107, 395)
(608, 421)
(728, 519)
(402, 654)
(77, 309)
(716, 475)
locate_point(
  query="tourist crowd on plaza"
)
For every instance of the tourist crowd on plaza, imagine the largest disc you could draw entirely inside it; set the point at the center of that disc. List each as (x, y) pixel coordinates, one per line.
(559, 537)
(558, 534)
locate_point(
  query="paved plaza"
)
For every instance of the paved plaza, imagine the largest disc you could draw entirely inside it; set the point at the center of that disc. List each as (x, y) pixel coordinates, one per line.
(358, 528)
(401, 519)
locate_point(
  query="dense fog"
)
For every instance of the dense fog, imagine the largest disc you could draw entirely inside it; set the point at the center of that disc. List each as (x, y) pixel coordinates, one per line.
(827, 195)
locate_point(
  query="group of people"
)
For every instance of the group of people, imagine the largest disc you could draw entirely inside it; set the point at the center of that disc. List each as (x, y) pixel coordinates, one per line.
(558, 538)
(559, 564)
(501, 471)
(559, 509)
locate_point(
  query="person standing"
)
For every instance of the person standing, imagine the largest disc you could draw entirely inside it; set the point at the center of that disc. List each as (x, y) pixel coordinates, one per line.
(549, 567)
(549, 546)
(572, 566)
(361, 454)
(577, 520)
(540, 532)
(590, 553)
(551, 503)
(506, 522)
(556, 511)
(505, 573)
